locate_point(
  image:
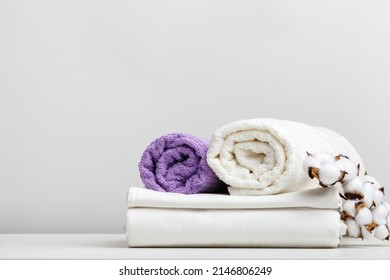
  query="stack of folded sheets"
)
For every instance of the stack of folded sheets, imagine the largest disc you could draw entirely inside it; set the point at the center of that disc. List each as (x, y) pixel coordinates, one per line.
(245, 188)
(308, 218)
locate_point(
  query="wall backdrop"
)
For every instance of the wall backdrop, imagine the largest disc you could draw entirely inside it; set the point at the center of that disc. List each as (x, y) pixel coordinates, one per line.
(86, 85)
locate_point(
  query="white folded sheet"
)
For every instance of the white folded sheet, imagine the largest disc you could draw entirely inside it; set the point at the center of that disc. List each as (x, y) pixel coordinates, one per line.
(302, 219)
(318, 198)
(265, 156)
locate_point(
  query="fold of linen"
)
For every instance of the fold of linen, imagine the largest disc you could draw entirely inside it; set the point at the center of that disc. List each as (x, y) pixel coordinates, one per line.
(318, 198)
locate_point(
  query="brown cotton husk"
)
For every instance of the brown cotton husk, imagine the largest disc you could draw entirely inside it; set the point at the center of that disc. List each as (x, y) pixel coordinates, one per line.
(313, 172)
(354, 196)
(339, 156)
(382, 189)
(342, 196)
(344, 216)
(323, 185)
(371, 227)
(359, 205)
(341, 177)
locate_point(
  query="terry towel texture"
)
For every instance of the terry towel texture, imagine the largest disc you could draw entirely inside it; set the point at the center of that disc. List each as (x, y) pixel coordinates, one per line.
(177, 163)
(302, 219)
(265, 156)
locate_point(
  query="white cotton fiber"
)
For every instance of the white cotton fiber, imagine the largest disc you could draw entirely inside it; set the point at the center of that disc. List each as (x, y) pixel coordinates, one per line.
(353, 227)
(329, 173)
(311, 161)
(364, 211)
(375, 183)
(388, 221)
(363, 216)
(349, 207)
(387, 205)
(366, 234)
(381, 232)
(379, 215)
(348, 166)
(368, 192)
(377, 197)
(324, 158)
(354, 185)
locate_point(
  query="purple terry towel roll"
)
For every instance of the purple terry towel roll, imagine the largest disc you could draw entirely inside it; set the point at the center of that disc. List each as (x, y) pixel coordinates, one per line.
(177, 163)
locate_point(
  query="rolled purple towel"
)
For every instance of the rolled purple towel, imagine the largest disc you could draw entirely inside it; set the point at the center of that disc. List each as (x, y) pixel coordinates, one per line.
(177, 163)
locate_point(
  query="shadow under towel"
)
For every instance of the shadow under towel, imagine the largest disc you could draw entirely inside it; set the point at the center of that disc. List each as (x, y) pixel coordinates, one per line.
(177, 163)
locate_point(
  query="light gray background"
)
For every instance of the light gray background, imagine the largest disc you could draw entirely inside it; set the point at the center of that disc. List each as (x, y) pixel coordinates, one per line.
(86, 85)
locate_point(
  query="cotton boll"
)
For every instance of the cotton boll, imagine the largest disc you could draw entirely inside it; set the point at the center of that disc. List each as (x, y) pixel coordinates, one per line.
(379, 221)
(381, 232)
(354, 185)
(366, 234)
(311, 161)
(353, 228)
(379, 215)
(368, 185)
(368, 192)
(329, 174)
(387, 206)
(324, 158)
(363, 216)
(377, 197)
(375, 183)
(388, 221)
(381, 210)
(349, 207)
(345, 164)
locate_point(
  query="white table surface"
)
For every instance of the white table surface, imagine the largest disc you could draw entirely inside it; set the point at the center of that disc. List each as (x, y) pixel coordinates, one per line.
(113, 246)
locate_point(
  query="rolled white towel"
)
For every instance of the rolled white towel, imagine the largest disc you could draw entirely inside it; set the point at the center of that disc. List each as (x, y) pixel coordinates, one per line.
(265, 156)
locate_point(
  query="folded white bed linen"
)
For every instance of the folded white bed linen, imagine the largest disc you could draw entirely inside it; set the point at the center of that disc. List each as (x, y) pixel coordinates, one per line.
(302, 219)
(265, 156)
(319, 198)
(297, 227)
